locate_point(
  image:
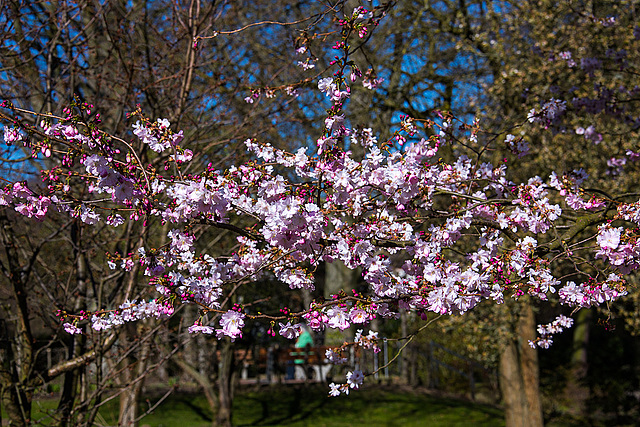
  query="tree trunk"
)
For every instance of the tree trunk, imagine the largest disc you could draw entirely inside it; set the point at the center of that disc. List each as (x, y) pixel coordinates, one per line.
(190, 352)
(529, 365)
(67, 397)
(404, 357)
(577, 392)
(17, 352)
(129, 405)
(10, 395)
(519, 377)
(225, 384)
(133, 378)
(76, 342)
(515, 408)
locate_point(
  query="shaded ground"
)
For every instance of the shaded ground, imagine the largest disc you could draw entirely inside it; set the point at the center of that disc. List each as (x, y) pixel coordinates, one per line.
(300, 405)
(373, 406)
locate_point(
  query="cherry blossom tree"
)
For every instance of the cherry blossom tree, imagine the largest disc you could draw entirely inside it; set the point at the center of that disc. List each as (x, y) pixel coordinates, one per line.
(433, 233)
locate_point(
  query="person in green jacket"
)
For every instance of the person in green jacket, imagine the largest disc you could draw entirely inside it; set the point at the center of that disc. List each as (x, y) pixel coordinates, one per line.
(305, 339)
(303, 343)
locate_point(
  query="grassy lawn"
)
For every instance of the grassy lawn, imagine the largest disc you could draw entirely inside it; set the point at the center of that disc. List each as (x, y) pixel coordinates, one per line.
(373, 407)
(296, 405)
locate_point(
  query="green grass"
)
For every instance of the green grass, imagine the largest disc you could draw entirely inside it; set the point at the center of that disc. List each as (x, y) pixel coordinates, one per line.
(311, 405)
(373, 407)
(297, 405)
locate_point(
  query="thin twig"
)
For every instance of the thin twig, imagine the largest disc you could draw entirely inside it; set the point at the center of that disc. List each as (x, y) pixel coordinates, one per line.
(409, 338)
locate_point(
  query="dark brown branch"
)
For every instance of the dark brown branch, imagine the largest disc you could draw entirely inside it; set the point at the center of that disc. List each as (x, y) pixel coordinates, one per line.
(580, 225)
(230, 227)
(76, 362)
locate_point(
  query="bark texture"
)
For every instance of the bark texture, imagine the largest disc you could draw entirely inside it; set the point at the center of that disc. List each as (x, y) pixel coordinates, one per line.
(519, 375)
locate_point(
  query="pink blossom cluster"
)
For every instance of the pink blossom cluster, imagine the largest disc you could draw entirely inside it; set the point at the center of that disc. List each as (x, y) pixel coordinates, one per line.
(569, 186)
(157, 137)
(71, 328)
(619, 246)
(354, 378)
(12, 135)
(590, 294)
(335, 357)
(547, 331)
(590, 134)
(364, 218)
(518, 146)
(25, 201)
(108, 180)
(131, 311)
(369, 341)
(548, 113)
(231, 324)
(339, 316)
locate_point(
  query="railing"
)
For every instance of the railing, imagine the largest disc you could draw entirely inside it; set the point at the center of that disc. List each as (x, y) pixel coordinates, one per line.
(309, 364)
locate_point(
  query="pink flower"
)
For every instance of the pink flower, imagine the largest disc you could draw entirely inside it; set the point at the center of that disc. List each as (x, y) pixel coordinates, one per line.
(88, 216)
(326, 84)
(334, 390)
(355, 378)
(199, 329)
(290, 331)
(608, 238)
(12, 135)
(71, 329)
(232, 323)
(358, 315)
(338, 318)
